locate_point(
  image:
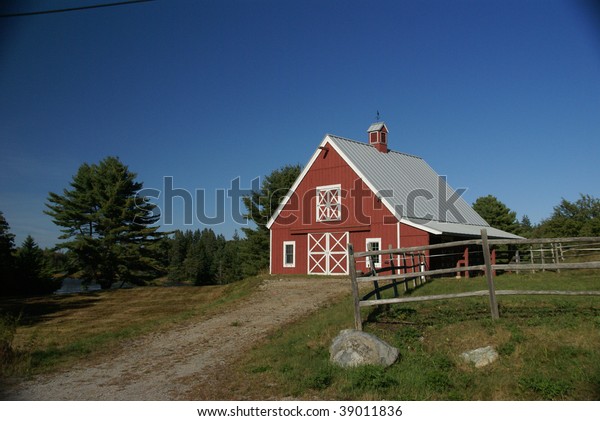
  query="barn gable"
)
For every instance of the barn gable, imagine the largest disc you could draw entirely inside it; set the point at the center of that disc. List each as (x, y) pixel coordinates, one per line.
(365, 194)
(409, 188)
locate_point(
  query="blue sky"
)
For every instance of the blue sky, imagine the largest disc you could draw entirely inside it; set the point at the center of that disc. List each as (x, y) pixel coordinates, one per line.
(501, 96)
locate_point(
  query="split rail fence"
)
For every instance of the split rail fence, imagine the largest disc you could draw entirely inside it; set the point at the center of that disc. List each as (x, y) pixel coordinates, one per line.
(410, 264)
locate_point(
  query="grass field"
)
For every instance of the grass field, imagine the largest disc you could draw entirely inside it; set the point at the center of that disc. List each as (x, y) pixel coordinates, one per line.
(55, 331)
(549, 347)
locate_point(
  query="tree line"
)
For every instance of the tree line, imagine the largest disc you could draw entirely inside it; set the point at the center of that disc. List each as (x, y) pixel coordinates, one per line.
(25, 270)
(579, 218)
(110, 235)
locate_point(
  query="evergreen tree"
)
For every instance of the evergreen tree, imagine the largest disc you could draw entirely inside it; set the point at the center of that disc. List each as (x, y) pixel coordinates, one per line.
(109, 229)
(573, 219)
(497, 214)
(7, 260)
(526, 228)
(204, 258)
(260, 206)
(56, 261)
(177, 254)
(229, 261)
(33, 275)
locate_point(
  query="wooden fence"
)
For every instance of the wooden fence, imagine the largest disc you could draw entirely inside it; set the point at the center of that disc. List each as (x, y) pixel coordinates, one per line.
(410, 264)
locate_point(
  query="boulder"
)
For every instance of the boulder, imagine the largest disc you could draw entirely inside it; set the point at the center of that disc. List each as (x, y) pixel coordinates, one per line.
(480, 356)
(352, 348)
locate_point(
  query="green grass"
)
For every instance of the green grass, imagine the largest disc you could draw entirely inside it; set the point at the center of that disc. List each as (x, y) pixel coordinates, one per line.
(549, 347)
(56, 331)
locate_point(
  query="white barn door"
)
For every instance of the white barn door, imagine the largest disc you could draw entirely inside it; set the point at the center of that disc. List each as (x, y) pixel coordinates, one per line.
(327, 253)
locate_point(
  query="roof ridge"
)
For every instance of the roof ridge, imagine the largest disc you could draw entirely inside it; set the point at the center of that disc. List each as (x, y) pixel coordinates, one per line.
(366, 144)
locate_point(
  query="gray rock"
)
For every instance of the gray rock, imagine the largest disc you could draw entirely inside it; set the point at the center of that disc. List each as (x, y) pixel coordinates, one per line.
(481, 356)
(352, 348)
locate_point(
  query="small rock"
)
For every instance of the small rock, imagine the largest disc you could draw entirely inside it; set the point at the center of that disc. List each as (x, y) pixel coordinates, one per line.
(352, 348)
(481, 356)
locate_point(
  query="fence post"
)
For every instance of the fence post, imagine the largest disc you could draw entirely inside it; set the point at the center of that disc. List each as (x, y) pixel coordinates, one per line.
(542, 251)
(394, 282)
(405, 271)
(412, 268)
(352, 264)
(422, 267)
(489, 275)
(555, 255)
(562, 255)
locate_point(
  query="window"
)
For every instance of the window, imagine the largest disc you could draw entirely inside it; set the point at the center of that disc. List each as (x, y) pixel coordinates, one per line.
(373, 244)
(289, 254)
(329, 203)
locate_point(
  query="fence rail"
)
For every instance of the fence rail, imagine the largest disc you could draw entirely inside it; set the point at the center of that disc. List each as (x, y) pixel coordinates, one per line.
(489, 267)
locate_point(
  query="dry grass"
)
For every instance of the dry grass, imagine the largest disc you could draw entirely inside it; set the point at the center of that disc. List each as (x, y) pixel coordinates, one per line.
(54, 331)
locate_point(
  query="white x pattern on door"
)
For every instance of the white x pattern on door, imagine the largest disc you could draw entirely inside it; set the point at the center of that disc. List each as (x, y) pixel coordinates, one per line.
(329, 205)
(327, 253)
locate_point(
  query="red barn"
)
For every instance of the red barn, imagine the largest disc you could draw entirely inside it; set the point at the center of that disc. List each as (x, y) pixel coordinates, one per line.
(367, 195)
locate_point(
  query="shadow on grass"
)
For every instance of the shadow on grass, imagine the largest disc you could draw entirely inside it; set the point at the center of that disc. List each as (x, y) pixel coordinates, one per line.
(33, 310)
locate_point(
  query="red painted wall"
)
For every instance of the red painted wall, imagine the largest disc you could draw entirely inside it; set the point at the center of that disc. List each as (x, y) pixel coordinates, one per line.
(363, 215)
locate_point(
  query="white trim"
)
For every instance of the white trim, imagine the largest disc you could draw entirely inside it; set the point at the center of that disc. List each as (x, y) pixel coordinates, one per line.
(319, 190)
(329, 187)
(285, 263)
(373, 240)
(398, 239)
(270, 252)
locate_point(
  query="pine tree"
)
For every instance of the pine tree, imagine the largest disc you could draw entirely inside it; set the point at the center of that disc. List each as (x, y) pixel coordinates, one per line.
(33, 275)
(497, 214)
(108, 227)
(580, 218)
(229, 261)
(526, 228)
(204, 258)
(260, 206)
(179, 245)
(7, 260)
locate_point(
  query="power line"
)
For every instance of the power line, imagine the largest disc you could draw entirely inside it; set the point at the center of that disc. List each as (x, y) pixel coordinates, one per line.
(72, 9)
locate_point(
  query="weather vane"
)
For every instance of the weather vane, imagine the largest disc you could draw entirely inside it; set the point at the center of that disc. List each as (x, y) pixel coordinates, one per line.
(377, 116)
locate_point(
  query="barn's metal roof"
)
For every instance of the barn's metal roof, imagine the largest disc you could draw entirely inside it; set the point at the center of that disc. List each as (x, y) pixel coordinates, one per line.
(409, 188)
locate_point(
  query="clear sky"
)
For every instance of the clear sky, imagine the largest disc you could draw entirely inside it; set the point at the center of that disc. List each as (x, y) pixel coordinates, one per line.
(501, 96)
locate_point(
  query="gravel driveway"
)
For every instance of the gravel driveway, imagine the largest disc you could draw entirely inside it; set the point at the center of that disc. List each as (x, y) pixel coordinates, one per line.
(169, 365)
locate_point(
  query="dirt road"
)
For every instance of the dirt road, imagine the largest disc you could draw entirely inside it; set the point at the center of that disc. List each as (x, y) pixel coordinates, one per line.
(168, 366)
